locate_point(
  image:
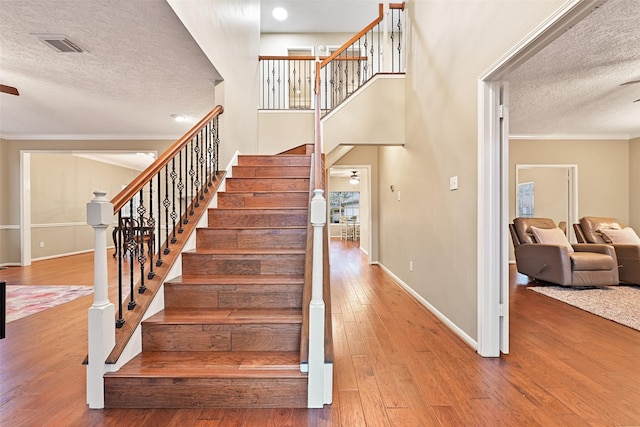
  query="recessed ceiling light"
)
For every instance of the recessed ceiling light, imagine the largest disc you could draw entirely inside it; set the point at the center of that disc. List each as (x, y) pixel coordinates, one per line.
(280, 13)
(178, 117)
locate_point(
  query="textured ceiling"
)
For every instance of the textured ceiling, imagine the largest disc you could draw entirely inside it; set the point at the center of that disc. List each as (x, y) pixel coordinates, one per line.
(573, 85)
(141, 66)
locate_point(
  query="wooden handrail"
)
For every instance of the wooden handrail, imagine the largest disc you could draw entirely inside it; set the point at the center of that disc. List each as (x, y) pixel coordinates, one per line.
(134, 186)
(353, 39)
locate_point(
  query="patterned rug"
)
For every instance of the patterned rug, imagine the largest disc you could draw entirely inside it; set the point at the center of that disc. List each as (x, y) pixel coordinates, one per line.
(618, 303)
(24, 301)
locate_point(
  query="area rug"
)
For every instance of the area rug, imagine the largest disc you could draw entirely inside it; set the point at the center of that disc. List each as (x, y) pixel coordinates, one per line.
(24, 301)
(618, 303)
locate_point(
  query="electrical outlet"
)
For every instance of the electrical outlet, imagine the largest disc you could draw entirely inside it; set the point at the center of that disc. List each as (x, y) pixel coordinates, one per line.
(42, 244)
(453, 183)
(410, 265)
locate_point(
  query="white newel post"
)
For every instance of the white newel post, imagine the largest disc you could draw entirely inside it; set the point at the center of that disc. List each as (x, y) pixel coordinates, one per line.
(102, 330)
(315, 397)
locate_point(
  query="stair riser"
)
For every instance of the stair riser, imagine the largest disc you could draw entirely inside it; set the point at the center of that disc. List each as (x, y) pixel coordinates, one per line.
(194, 264)
(274, 161)
(238, 218)
(232, 296)
(263, 200)
(212, 337)
(271, 172)
(267, 184)
(205, 393)
(207, 238)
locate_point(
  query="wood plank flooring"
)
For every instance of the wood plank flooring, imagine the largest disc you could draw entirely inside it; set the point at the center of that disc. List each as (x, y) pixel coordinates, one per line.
(395, 363)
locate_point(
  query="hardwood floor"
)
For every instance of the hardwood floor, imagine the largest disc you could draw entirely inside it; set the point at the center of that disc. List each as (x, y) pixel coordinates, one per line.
(395, 364)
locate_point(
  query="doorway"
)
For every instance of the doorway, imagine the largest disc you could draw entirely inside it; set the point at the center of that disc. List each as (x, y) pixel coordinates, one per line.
(493, 159)
(549, 191)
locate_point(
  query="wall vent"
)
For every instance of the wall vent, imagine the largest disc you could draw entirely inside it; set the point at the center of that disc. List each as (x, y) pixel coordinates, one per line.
(60, 43)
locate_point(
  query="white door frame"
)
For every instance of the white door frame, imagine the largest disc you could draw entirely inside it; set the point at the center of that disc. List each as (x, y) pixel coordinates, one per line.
(572, 177)
(493, 158)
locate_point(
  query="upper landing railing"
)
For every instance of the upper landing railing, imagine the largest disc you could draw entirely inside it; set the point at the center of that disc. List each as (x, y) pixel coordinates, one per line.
(289, 82)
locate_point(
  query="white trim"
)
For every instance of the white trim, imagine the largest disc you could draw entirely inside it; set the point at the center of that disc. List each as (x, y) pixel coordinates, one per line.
(492, 198)
(64, 254)
(89, 137)
(25, 208)
(544, 34)
(562, 136)
(9, 227)
(61, 224)
(10, 264)
(296, 111)
(489, 220)
(444, 319)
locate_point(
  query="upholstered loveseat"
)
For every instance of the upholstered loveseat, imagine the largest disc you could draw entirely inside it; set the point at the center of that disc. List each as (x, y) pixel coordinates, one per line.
(625, 241)
(543, 253)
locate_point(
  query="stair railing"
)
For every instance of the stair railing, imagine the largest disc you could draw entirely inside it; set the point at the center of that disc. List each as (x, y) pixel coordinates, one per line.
(154, 215)
(286, 82)
(337, 76)
(378, 48)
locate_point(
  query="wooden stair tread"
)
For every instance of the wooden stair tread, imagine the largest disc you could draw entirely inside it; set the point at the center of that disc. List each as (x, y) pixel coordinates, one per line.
(249, 251)
(226, 316)
(259, 210)
(233, 279)
(260, 227)
(203, 364)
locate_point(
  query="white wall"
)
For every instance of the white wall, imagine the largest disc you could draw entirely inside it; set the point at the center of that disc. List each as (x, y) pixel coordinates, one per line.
(634, 184)
(10, 193)
(281, 130)
(603, 172)
(450, 44)
(228, 32)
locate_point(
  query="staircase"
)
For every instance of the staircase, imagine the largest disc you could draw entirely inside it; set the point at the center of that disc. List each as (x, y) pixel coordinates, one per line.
(230, 333)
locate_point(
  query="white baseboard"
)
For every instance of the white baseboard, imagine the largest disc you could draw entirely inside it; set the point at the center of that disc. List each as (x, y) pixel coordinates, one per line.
(444, 319)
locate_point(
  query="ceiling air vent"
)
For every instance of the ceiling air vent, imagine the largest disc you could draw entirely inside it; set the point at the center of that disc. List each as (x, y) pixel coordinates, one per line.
(60, 43)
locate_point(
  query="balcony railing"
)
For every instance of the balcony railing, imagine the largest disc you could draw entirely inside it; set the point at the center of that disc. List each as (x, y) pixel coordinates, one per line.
(289, 82)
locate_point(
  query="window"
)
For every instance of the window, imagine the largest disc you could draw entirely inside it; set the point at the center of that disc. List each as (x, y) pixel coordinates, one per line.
(344, 203)
(525, 199)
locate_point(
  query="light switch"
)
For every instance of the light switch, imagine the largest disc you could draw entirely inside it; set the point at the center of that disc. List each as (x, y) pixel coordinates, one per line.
(398, 196)
(453, 183)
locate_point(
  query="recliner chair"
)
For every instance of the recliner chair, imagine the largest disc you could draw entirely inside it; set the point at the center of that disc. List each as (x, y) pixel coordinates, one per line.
(557, 261)
(589, 230)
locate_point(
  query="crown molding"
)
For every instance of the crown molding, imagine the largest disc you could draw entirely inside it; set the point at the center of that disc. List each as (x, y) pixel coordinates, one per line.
(89, 137)
(614, 136)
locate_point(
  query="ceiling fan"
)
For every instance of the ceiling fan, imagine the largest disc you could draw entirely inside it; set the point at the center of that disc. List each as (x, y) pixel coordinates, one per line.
(9, 89)
(355, 179)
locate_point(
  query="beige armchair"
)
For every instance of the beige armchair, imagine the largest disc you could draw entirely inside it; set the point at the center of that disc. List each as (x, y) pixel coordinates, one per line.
(543, 253)
(602, 230)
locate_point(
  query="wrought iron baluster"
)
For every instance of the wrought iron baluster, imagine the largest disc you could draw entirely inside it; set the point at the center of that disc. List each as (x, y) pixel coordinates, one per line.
(216, 148)
(192, 173)
(180, 188)
(158, 253)
(131, 247)
(196, 174)
(379, 50)
(202, 183)
(212, 172)
(142, 226)
(152, 223)
(174, 215)
(207, 163)
(399, 41)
